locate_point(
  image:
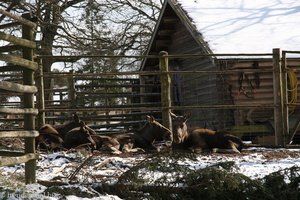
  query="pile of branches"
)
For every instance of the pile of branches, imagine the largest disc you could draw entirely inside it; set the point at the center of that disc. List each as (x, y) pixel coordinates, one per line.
(171, 180)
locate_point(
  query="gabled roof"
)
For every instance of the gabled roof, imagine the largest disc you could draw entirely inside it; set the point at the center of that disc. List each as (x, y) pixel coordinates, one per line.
(168, 17)
(245, 26)
(235, 26)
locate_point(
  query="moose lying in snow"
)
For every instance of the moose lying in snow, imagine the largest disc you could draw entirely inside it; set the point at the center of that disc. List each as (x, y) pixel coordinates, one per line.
(75, 133)
(203, 139)
(151, 132)
(144, 139)
(70, 135)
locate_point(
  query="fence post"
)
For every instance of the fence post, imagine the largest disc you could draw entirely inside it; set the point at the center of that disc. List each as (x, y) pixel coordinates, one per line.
(165, 81)
(29, 119)
(285, 101)
(40, 96)
(71, 92)
(279, 109)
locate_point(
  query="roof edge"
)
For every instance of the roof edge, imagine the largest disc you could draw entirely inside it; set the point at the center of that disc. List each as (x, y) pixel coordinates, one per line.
(187, 22)
(163, 8)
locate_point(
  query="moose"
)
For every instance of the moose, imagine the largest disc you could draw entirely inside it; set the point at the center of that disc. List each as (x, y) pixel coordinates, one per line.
(76, 132)
(203, 139)
(151, 132)
(52, 136)
(70, 135)
(144, 138)
(78, 136)
(63, 129)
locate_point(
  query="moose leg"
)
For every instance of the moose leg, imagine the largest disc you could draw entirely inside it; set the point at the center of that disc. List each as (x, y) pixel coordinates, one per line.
(128, 148)
(231, 149)
(115, 150)
(234, 147)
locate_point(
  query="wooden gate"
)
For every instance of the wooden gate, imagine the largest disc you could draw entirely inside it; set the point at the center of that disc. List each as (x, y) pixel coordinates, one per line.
(18, 56)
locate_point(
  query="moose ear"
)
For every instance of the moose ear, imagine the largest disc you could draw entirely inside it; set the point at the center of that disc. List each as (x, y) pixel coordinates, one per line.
(150, 119)
(173, 116)
(187, 116)
(76, 118)
(82, 124)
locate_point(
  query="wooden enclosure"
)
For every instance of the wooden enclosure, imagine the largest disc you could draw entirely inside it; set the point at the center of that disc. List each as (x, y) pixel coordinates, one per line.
(240, 106)
(120, 101)
(22, 65)
(108, 102)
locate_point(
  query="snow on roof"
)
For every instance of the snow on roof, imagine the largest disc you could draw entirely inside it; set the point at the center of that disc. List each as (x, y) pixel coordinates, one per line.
(246, 26)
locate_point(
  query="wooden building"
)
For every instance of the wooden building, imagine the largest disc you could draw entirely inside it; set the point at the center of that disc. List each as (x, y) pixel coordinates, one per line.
(188, 27)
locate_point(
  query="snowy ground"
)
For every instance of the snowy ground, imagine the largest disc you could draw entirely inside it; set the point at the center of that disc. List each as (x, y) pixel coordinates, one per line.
(81, 169)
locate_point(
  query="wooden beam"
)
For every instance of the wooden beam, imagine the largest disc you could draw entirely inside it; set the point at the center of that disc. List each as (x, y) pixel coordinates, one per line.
(7, 161)
(40, 95)
(18, 18)
(284, 99)
(165, 32)
(28, 101)
(170, 20)
(19, 134)
(19, 61)
(17, 41)
(278, 99)
(15, 87)
(32, 111)
(165, 81)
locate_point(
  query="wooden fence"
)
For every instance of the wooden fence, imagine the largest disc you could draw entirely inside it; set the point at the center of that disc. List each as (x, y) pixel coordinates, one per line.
(106, 102)
(128, 113)
(25, 65)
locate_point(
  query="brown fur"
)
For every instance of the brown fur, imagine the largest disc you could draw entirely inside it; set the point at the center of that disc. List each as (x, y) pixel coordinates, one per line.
(106, 143)
(203, 139)
(51, 137)
(152, 131)
(143, 139)
(78, 136)
(49, 141)
(63, 129)
(76, 133)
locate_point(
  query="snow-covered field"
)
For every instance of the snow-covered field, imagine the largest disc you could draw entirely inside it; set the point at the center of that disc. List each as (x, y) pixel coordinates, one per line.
(75, 172)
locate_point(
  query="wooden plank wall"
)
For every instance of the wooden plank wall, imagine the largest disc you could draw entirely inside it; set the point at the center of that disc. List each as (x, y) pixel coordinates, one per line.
(257, 88)
(198, 89)
(251, 87)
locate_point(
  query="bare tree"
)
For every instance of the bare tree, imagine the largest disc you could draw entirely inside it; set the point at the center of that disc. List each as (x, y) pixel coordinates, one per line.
(126, 25)
(98, 27)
